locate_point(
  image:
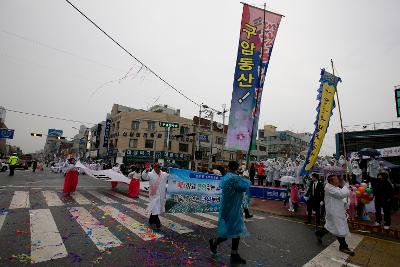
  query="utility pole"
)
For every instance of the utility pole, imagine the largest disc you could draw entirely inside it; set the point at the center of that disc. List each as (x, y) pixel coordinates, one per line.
(224, 110)
(212, 138)
(198, 139)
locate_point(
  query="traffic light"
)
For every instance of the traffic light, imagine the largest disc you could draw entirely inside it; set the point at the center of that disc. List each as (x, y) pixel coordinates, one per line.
(36, 134)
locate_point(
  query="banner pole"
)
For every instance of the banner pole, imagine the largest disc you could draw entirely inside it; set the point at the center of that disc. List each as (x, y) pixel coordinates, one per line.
(257, 92)
(341, 120)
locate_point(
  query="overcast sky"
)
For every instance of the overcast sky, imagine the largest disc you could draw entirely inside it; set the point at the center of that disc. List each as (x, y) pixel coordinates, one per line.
(54, 62)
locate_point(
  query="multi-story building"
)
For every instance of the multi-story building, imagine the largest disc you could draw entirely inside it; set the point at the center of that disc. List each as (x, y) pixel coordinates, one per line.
(284, 143)
(94, 137)
(215, 141)
(79, 146)
(136, 136)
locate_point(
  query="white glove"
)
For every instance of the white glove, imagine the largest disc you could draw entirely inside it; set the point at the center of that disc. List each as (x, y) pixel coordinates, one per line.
(321, 203)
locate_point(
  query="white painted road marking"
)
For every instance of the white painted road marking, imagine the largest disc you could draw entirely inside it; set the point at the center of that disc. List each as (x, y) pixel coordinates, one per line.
(193, 220)
(46, 241)
(118, 195)
(176, 227)
(80, 199)
(99, 234)
(208, 216)
(20, 200)
(52, 198)
(2, 218)
(103, 198)
(144, 198)
(332, 257)
(141, 230)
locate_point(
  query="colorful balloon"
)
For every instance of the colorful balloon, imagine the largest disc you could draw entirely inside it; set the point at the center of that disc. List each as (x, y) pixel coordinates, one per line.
(364, 185)
(365, 195)
(357, 185)
(358, 194)
(368, 190)
(361, 189)
(371, 197)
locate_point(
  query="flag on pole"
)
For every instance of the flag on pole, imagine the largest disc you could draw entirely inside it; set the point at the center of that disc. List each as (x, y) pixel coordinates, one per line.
(257, 35)
(326, 94)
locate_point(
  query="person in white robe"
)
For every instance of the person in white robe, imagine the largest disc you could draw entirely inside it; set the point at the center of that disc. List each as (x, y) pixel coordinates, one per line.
(157, 190)
(335, 217)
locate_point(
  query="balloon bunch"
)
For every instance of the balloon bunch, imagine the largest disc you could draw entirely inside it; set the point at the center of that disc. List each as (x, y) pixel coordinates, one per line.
(363, 193)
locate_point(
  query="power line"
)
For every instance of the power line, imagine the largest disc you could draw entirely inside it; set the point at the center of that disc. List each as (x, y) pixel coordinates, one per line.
(47, 116)
(131, 55)
(35, 42)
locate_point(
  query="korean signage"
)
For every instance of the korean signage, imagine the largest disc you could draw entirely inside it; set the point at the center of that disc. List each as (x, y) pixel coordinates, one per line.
(326, 94)
(147, 154)
(107, 133)
(54, 132)
(203, 138)
(169, 124)
(397, 98)
(7, 133)
(257, 36)
(190, 191)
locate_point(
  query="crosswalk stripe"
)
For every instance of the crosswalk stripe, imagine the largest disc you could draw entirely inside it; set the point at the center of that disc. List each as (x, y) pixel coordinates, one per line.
(144, 232)
(102, 197)
(176, 227)
(97, 232)
(193, 220)
(80, 199)
(144, 198)
(52, 198)
(118, 195)
(331, 256)
(20, 200)
(3, 216)
(208, 216)
(46, 240)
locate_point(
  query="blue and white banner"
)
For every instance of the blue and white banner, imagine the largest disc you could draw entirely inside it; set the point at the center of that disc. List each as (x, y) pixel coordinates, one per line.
(7, 133)
(190, 191)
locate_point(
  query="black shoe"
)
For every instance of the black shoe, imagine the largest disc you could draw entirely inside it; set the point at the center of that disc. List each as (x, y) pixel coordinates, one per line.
(235, 258)
(347, 251)
(319, 238)
(248, 216)
(213, 247)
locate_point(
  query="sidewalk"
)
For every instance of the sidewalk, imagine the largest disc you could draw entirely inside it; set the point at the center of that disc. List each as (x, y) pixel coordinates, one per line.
(275, 207)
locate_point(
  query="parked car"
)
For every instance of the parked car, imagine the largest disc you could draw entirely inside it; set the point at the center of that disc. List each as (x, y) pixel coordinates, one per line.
(3, 166)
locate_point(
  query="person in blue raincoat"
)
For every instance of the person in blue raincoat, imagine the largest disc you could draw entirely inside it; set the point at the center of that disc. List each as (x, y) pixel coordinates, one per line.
(230, 221)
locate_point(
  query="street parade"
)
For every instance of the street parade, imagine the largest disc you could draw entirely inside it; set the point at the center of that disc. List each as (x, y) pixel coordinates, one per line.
(138, 134)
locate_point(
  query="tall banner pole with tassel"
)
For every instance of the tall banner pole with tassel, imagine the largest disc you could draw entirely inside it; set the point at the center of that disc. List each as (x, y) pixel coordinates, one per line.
(341, 121)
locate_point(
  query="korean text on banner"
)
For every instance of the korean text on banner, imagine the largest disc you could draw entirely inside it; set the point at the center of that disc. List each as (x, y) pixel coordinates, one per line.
(326, 94)
(190, 191)
(257, 35)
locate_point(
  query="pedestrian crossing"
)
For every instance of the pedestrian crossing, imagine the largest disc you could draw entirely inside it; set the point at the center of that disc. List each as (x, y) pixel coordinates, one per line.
(91, 211)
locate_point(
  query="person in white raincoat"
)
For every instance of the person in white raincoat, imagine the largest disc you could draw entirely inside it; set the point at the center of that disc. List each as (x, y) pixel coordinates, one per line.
(335, 208)
(157, 191)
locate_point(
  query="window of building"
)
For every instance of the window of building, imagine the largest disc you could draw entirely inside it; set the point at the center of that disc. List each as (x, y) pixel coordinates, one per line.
(149, 143)
(184, 130)
(116, 143)
(117, 125)
(219, 140)
(151, 125)
(231, 156)
(183, 147)
(135, 125)
(145, 135)
(133, 143)
(262, 148)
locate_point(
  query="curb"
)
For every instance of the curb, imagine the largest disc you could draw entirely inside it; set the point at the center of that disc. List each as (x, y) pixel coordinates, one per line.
(355, 227)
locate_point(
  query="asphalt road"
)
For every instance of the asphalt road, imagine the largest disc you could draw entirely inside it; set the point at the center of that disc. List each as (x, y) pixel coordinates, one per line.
(98, 227)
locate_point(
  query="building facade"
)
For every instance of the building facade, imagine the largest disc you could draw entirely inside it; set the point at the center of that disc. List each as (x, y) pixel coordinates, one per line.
(136, 136)
(284, 143)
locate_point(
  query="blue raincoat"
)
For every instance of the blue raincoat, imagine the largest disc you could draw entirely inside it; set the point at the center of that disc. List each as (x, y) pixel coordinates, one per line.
(230, 221)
